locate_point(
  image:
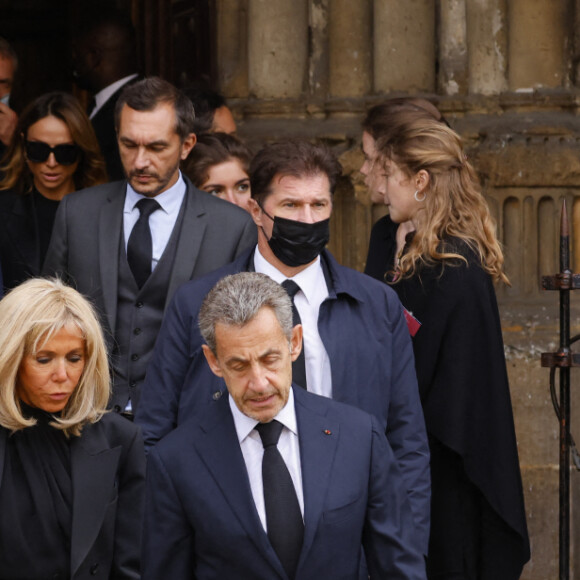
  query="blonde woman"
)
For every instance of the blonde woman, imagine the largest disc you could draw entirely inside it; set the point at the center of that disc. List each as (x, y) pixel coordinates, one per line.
(442, 259)
(71, 475)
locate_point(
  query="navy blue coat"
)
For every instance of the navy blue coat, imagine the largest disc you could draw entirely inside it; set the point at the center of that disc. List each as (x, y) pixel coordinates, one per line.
(201, 521)
(364, 332)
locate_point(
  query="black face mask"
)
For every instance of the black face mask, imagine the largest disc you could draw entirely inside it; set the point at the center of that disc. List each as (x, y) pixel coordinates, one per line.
(297, 243)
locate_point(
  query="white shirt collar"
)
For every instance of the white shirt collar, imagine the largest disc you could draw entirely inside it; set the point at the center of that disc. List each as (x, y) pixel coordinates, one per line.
(245, 425)
(105, 94)
(170, 200)
(310, 279)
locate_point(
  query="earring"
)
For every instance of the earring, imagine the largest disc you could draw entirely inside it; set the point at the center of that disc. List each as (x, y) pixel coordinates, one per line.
(419, 199)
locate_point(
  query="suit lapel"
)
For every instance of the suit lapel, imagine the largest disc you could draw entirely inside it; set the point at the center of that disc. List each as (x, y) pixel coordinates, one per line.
(93, 469)
(318, 436)
(110, 234)
(219, 449)
(189, 240)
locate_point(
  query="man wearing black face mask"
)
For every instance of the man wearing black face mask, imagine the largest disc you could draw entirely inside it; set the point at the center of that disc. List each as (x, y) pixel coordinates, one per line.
(356, 342)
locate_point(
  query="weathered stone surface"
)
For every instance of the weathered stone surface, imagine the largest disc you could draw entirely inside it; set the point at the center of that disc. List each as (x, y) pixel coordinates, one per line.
(453, 72)
(350, 47)
(538, 39)
(487, 39)
(232, 47)
(404, 45)
(278, 48)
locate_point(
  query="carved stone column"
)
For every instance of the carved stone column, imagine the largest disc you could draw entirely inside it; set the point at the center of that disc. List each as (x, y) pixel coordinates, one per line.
(232, 47)
(452, 47)
(404, 45)
(277, 48)
(487, 46)
(539, 36)
(350, 54)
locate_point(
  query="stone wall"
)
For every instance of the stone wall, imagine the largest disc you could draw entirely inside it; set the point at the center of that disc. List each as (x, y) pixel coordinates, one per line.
(504, 73)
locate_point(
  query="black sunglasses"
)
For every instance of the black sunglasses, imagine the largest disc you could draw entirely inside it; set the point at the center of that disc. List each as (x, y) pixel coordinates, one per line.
(39, 152)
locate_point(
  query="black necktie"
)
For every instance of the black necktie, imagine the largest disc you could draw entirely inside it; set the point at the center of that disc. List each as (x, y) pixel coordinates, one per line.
(283, 516)
(140, 246)
(299, 365)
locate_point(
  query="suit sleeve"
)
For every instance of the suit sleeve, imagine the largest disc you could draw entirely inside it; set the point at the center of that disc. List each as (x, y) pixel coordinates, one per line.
(56, 261)
(388, 539)
(168, 541)
(128, 523)
(248, 238)
(406, 429)
(166, 371)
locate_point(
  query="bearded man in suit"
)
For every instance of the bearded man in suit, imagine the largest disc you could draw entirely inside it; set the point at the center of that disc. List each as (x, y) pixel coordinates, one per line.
(128, 245)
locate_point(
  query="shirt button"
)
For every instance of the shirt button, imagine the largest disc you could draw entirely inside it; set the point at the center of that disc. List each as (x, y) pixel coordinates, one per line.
(137, 331)
(134, 357)
(133, 384)
(94, 569)
(139, 304)
(116, 408)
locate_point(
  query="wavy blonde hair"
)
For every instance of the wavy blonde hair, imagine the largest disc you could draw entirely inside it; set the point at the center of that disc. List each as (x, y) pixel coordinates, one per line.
(91, 167)
(454, 206)
(30, 315)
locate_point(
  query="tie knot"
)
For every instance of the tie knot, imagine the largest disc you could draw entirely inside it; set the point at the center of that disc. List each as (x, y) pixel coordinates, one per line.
(146, 207)
(291, 288)
(269, 432)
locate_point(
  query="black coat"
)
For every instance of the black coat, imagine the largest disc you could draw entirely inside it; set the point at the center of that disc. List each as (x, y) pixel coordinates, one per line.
(20, 252)
(464, 390)
(108, 477)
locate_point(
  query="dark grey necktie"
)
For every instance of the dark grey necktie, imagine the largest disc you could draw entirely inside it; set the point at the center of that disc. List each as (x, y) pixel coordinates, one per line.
(140, 246)
(299, 365)
(283, 516)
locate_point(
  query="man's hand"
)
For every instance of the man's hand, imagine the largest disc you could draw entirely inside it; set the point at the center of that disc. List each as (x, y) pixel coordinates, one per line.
(8, 120)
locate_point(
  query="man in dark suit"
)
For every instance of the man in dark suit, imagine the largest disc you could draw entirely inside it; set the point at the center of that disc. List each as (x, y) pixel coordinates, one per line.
(128, 245)
(105, 61)
(225, 500)
(356, 342)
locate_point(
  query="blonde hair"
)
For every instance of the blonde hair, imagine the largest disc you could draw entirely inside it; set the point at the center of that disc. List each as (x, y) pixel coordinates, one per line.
(30, 315)
(91, 166)
(454, 206)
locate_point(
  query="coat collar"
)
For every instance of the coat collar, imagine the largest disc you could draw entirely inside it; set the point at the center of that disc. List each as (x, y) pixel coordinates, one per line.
(218, 447)
(220, 451)
(93, 468)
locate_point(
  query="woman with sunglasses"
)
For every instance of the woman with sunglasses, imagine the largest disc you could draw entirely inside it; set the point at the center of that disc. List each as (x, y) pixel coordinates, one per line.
(54, 152)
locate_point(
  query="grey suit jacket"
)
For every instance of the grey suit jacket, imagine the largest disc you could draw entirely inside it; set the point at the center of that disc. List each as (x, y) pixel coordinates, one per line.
(108, 481)
(84, 248)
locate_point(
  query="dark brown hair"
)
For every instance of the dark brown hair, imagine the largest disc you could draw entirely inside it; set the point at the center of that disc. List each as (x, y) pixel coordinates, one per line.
(212, 149)
(147, 94)
(296, 158)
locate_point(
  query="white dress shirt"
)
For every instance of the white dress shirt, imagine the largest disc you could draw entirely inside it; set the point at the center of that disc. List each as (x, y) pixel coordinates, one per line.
(105, 94)
(161, 222)
(253, 452)
(313, 292)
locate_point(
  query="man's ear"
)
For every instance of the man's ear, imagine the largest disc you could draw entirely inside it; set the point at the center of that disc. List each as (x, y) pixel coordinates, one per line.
(296, 342)
(255, 211)
(187, 145)
(212, 361)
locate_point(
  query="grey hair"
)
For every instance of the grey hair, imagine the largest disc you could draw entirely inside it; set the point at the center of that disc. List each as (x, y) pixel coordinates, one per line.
(235, 300)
